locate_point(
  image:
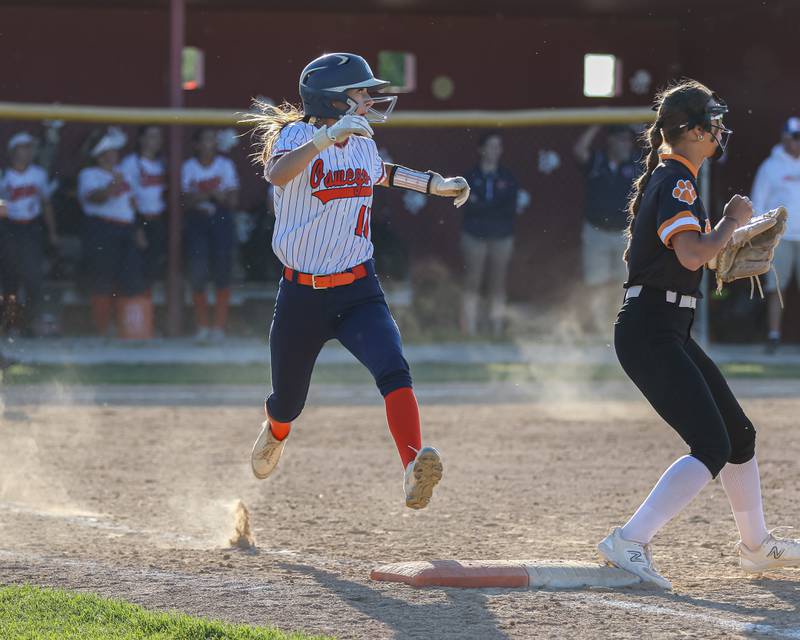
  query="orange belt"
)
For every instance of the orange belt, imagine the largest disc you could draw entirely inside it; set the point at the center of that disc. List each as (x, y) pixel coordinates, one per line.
(327, 281)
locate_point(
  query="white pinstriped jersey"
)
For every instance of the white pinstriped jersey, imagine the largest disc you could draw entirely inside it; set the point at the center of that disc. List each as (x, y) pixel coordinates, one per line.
(322, 215)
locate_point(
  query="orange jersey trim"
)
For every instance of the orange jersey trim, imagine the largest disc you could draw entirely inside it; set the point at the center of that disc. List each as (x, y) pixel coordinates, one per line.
(680, 222)
(681, 159)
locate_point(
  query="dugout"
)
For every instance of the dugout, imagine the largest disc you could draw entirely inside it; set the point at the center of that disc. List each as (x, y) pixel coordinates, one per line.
(519, 55)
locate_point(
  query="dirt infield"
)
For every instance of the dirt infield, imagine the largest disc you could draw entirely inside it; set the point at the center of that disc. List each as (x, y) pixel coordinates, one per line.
(137, 502)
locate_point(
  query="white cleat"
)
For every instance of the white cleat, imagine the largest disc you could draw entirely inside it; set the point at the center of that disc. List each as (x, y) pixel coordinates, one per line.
(266, 453)
(773, 553)
(422, 475)
(632, 557)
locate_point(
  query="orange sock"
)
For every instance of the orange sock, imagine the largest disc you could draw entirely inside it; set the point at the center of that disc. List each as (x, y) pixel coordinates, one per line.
(200, 309)
(402, 414)
(279, 429)
(221, 308)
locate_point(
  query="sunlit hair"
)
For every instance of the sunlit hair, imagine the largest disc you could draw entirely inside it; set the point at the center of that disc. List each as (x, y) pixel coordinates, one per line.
(674, 106)
(268, 121)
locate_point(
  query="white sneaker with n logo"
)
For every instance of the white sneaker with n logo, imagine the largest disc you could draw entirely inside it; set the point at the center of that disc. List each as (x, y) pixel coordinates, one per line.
(631, 556)
(773, 553)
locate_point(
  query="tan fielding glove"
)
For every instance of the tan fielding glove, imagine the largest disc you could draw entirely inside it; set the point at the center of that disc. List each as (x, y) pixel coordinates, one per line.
(750, 250)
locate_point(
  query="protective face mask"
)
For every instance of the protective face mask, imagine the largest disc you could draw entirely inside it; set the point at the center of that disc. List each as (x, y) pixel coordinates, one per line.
(379, 112)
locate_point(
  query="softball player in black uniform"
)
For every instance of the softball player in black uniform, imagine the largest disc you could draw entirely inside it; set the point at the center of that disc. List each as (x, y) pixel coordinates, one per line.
(670, 240)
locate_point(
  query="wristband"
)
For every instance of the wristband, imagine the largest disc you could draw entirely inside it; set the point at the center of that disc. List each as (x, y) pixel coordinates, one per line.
(405, 178)
(322, 139)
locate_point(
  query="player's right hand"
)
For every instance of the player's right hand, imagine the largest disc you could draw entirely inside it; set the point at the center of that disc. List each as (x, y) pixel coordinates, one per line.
(346, 126)
(739, 209)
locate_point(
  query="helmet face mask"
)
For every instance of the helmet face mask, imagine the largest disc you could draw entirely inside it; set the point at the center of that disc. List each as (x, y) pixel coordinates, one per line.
(710, 119)
(385, 106)
(327, 79)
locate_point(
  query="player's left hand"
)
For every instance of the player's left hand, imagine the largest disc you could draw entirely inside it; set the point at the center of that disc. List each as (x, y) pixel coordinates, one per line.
(457, 188)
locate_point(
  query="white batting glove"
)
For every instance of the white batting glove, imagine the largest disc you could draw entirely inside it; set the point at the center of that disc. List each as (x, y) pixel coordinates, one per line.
(457, 188)
(346, 126)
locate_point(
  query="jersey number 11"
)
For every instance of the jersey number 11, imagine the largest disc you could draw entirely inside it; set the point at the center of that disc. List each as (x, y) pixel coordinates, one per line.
(362, 224)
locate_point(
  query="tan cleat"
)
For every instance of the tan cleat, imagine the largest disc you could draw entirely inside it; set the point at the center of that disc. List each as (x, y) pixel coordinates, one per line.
(422, 475)
(266, 453)
(773, 553)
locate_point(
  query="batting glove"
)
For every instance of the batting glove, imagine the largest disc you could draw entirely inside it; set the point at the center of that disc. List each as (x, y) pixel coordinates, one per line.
(346, 126)
(457, 188)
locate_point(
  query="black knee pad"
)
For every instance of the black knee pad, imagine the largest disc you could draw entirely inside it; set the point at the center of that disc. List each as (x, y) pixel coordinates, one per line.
(743, 444)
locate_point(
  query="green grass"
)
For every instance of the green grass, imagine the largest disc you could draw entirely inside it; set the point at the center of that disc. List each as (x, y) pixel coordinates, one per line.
(430, 373)
(30, 613)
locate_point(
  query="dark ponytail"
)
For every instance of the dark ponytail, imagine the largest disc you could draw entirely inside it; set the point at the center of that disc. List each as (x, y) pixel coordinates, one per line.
(674, 107)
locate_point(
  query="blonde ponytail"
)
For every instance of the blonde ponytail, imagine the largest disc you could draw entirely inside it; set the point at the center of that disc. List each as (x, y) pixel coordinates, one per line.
(268, 121)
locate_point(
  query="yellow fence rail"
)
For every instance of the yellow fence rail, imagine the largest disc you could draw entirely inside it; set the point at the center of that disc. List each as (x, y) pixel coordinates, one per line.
(231, 117)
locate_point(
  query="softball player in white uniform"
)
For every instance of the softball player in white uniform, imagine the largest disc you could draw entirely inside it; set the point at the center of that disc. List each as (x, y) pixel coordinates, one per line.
(324, 166)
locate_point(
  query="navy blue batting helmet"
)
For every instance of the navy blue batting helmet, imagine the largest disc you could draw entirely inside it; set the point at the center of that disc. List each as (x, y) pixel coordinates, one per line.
(328, 78)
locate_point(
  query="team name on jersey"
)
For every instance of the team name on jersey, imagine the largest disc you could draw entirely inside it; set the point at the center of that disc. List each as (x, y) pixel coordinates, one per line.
(150, 179)
(338, 183)
(208, 185)
(23, 191)
(120, 188)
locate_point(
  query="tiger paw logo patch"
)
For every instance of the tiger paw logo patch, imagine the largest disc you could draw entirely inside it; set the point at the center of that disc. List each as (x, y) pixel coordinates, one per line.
(684, 191)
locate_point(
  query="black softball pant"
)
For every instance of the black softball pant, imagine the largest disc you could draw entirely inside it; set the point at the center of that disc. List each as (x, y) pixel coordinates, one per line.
(652, 338)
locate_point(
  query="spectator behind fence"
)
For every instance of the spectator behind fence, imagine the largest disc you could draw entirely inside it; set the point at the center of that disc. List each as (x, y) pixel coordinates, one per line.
(112, 243)
(777, 183)
(146, 170)
(610, 172)
(487, 237)
(25, 191)
(8, 285)
(210, 189)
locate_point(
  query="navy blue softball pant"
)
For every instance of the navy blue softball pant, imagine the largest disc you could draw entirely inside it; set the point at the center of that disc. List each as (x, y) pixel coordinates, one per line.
(209, 248)
(653, 341)
(305, 319)
(113, 261)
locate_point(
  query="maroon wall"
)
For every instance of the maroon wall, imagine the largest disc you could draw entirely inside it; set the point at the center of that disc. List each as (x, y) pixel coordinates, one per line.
(116, 56)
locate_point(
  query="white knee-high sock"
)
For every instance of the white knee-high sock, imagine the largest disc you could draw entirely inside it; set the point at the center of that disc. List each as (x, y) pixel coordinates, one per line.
(679, 485)
(742, 484)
